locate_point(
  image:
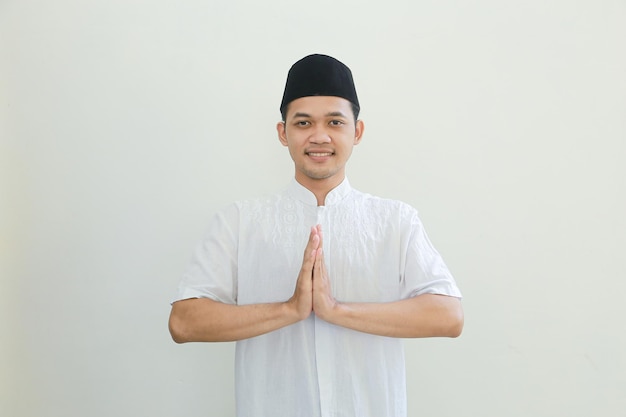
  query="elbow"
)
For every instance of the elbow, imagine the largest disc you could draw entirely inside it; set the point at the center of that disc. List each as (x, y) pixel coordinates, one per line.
(177, 329)
(456, 328)
(456, 320)
(447, 317)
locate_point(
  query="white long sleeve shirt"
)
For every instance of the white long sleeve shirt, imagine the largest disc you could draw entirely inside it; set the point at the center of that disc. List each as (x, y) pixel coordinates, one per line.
(376, 250)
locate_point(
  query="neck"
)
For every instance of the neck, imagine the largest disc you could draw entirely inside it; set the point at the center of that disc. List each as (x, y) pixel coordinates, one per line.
(320, 187)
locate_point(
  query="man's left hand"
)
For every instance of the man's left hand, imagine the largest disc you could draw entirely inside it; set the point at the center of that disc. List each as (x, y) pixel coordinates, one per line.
(324, 303)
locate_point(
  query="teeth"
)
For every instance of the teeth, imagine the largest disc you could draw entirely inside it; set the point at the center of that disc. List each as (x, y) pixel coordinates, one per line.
(320, 153)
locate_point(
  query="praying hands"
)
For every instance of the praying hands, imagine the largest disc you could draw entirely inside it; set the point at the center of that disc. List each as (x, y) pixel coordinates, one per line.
(313, 289)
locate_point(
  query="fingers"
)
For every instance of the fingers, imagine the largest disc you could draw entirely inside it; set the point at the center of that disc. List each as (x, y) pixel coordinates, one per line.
(319, 268)
(311, 247)
(319, 258)
(319, 261)
(315, 237)
(320, 234)
(323, 300)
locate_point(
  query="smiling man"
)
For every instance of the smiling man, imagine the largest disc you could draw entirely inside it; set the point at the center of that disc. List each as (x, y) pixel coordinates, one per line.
(318, 283)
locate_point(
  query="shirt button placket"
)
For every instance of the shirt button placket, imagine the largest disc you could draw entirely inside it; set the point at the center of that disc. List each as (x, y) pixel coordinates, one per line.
(324, 368)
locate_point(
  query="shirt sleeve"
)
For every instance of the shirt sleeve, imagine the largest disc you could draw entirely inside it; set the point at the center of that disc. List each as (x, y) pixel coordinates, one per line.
(212, 270)
(424, 269)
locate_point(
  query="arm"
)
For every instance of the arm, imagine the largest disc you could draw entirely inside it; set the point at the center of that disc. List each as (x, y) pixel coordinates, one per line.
(427, 315)
(206, 320)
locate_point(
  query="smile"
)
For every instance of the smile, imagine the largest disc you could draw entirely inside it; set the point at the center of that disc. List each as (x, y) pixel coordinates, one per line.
(319, 153)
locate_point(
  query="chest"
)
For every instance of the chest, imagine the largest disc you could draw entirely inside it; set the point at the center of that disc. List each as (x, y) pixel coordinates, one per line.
(363, 252)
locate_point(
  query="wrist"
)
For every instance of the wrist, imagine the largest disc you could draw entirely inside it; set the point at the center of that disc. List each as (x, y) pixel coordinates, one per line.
(294, 311)
(332, 312)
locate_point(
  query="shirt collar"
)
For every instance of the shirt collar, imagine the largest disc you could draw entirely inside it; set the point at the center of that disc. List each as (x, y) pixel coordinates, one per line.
(303, 194)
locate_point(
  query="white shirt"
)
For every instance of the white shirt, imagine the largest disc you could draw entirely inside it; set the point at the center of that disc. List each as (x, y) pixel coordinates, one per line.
(376, 250)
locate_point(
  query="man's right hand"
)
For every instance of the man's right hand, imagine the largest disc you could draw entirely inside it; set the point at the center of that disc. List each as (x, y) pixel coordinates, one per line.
(302, 300)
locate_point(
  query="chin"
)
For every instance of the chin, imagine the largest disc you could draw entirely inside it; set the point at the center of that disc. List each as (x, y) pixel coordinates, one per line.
(319, 175)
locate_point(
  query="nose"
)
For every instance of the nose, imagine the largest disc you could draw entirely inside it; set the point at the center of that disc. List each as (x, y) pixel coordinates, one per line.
(319, 135)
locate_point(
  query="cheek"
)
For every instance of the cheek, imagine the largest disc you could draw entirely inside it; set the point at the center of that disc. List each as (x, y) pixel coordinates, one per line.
(346, 148)
(293, 152)
(295, 144)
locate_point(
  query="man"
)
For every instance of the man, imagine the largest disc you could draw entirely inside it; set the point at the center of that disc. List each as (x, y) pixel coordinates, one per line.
(317, 284)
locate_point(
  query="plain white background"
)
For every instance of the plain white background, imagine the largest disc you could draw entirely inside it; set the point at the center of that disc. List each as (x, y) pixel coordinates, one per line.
(125, 124)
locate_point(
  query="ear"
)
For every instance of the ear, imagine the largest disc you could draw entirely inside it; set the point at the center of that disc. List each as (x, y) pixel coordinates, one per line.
(282, 134)
(359, 128)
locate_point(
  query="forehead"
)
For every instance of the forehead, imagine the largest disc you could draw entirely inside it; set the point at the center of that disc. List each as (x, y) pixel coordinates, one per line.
(318, 106)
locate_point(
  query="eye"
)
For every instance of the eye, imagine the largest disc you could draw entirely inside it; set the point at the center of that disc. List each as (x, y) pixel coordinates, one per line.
(336, 122)
(302, 123)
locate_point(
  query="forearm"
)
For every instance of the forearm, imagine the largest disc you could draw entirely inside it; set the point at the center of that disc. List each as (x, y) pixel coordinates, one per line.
(426, 315)
(205, 320)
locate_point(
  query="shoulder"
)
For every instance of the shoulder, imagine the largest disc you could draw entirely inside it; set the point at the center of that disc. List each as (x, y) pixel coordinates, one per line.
(384, 205)
(259, 209)
(259, 203)
(229, 219)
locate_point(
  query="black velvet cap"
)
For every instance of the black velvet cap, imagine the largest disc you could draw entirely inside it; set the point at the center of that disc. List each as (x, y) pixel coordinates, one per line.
(319, 75)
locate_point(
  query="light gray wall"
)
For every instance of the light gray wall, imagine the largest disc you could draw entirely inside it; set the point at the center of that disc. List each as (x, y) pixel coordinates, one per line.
(125, 124)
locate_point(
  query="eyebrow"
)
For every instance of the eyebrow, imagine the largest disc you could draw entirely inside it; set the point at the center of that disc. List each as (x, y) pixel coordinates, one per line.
(335, 114)
(329, 114)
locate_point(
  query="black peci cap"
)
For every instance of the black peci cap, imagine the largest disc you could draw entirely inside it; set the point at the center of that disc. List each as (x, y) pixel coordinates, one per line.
(319, 75)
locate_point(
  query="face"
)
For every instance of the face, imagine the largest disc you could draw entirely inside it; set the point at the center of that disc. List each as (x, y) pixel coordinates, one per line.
(320, 133)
